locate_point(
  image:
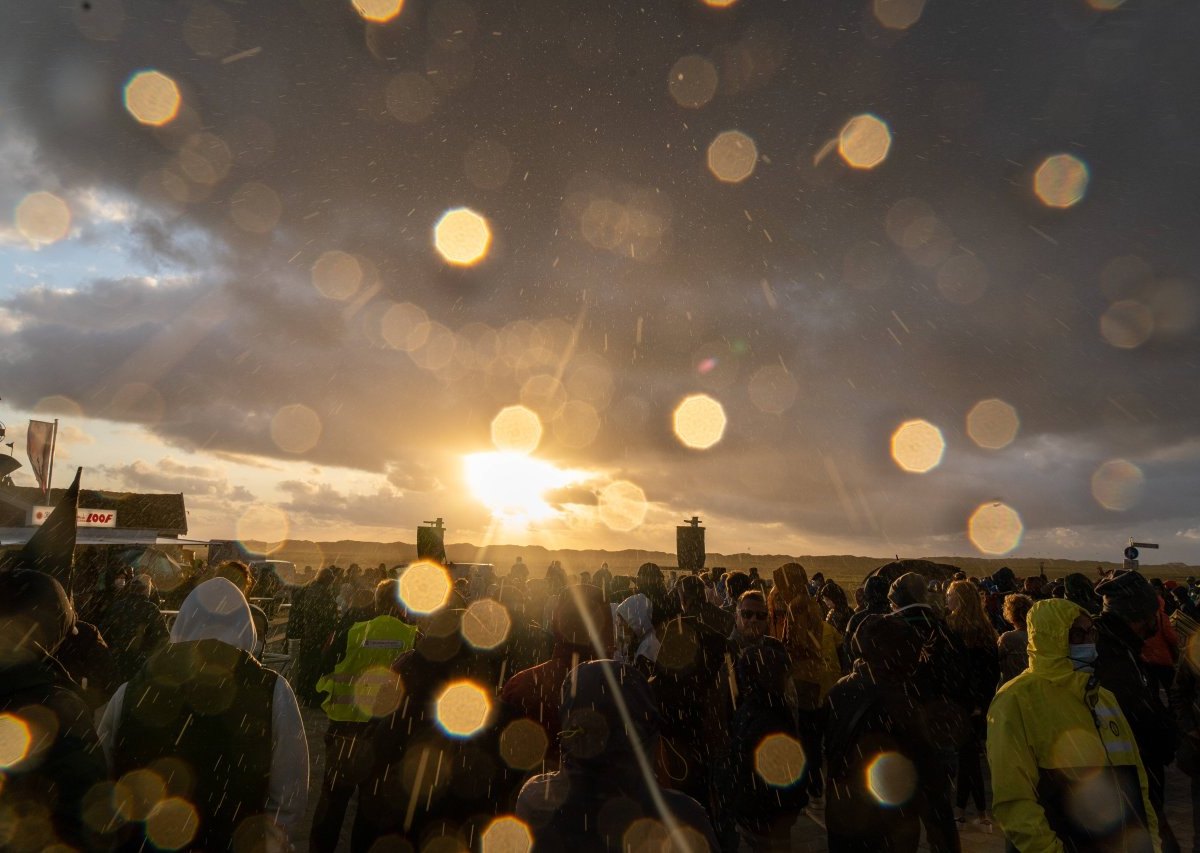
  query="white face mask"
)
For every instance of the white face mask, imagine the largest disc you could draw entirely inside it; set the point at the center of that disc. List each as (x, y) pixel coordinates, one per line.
(119, 583)
(1082, 656)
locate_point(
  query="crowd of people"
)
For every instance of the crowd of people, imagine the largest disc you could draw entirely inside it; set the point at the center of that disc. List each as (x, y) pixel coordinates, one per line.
(607, 712)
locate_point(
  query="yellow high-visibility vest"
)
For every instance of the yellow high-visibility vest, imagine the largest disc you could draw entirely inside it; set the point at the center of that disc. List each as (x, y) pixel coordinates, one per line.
(362, 686)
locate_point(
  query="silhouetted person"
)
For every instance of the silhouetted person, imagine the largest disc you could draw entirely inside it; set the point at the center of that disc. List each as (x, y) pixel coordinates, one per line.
(233, 725)
(534, 693)
(361, 688)
(46, 786)
(312, 623)
(1130, 617)
(883, 760)
(607, 781)
(133, 626)
(1065, 770)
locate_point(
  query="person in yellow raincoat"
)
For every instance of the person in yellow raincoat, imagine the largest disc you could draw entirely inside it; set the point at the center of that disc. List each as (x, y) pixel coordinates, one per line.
(1066, 775)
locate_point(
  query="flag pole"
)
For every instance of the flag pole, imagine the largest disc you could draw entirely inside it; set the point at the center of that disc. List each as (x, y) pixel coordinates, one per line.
(53, 446)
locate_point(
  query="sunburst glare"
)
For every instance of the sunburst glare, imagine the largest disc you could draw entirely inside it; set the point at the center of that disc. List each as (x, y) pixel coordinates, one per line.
(514, 485)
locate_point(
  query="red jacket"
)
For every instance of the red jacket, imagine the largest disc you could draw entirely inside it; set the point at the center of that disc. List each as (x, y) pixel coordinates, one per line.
(1163, 648)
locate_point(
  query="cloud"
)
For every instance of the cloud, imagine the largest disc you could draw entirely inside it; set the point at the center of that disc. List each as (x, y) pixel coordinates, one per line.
(200, 483)
(323, 503)
(622, 275)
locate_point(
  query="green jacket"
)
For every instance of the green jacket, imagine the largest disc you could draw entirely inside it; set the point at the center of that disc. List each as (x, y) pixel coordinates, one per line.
(1066, 775)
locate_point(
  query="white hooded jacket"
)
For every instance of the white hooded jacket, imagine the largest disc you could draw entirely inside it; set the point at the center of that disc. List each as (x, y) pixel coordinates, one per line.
(217, 610)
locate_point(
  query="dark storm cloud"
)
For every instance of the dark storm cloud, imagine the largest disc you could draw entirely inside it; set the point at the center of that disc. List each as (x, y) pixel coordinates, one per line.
(554, 120)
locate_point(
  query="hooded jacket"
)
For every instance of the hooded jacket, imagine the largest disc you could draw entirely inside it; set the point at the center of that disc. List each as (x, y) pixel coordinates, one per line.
(795, 620)
(875, 603)
(208, 665)
(1066, 774)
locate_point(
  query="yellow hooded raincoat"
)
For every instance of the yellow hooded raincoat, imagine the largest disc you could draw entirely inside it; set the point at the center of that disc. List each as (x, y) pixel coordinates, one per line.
(1066, 775)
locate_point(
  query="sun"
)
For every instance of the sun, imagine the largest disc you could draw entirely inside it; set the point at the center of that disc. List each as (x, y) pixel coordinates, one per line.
(514, 485)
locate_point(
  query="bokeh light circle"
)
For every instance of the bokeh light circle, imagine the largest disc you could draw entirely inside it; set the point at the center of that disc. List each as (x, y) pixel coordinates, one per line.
(898, 14)
(172, 824)
(295, 428)
(780, 760)
(410, 97)
(699, 421)
(1096, 804)
(43, 218)
(1061, 181)
(864, 141)
(992, 424)
(1117, 485)
(152, 98)
(15, 740)
(506, 834)
(337, 275)
(772, 389)
(732, 156)
(424, 587)
(486, 623)
(577, 424)
(995, 528)
(265, 524)
(622, 506)
(891, 779)
(138, 792)
(405, 326)
(962, 279)
(523, 744)
(517, 429)
(255, 208)
(462, 237)
(487, 164)
(918, 446)
(1127, 324)
(693, 81)
(462, 709)
(378, 11)
(377, 691)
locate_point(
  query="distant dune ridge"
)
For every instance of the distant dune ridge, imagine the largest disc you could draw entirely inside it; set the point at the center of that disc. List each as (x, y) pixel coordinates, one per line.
(839, 567)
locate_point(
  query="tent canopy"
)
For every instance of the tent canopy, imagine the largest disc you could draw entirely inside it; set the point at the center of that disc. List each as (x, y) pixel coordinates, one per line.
(930, 570)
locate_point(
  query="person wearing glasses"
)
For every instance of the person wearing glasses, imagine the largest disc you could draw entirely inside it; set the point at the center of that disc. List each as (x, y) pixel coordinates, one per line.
(1066, 774)
(759, 702)
(750, 622)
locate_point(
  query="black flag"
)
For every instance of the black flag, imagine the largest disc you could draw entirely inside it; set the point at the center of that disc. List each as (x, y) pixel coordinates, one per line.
(52, 548)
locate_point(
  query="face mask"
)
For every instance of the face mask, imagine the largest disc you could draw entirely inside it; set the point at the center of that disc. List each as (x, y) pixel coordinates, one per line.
(119, 583)
(1082, 656)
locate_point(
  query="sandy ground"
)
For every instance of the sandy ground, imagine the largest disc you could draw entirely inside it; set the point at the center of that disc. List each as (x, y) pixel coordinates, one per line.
(808, 835)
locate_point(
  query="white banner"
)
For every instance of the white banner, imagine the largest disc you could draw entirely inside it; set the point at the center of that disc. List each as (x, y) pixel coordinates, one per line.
(84, 517)
(39, 446)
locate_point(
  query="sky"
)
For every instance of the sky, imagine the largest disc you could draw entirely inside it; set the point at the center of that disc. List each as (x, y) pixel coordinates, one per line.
(893, 277)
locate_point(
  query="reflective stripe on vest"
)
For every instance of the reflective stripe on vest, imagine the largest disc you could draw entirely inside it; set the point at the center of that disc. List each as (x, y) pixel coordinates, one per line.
(356, 685)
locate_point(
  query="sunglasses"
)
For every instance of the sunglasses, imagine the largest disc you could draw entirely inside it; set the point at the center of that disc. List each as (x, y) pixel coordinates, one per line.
(753, 614)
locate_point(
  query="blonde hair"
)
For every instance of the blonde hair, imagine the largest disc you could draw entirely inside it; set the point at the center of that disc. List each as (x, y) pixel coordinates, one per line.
(968, 619)
(1016, 609)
